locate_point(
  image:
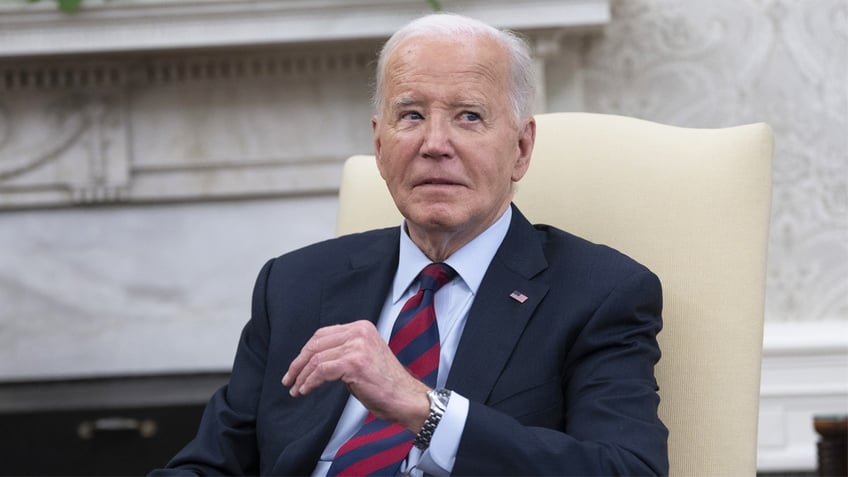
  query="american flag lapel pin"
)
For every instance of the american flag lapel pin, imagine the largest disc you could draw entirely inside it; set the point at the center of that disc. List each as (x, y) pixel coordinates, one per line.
(518, 296)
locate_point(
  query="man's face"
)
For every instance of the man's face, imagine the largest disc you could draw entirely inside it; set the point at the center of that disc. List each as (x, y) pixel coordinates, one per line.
(446, 141)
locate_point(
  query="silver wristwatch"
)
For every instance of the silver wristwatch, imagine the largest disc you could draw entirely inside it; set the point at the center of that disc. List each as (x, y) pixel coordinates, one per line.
(438, 404)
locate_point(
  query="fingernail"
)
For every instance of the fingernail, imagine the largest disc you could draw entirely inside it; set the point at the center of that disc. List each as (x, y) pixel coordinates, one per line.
(285, 377)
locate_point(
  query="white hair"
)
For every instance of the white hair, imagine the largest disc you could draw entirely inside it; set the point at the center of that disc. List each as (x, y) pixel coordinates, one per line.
(522, 85)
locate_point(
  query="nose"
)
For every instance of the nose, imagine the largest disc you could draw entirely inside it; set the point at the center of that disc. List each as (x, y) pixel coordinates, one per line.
(437, 143)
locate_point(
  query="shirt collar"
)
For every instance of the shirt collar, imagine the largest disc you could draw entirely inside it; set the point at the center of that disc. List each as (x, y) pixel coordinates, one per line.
(470, 262)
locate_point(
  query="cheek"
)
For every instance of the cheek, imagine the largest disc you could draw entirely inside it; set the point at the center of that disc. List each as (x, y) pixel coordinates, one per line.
(497, 175)
(395, 159)
(393, 174)
(382, 167)
(384, 164)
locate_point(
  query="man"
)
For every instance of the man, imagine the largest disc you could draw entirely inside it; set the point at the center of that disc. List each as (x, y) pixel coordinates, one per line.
(544, 354)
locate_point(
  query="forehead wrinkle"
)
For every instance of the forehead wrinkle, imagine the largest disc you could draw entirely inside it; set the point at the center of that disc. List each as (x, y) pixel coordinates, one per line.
(404, 66)
(469, 103)
(405, 90)
(483, 73)
(478, 73)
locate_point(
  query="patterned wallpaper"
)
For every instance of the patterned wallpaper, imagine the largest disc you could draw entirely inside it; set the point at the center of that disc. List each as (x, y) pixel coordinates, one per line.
(726, 62)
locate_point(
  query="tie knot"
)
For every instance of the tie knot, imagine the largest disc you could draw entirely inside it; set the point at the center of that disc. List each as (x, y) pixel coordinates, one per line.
(435, 275)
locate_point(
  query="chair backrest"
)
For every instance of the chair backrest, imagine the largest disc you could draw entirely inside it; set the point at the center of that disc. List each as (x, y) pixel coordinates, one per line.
(693, 205)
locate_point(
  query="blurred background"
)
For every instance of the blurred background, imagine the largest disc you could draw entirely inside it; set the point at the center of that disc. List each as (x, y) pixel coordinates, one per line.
(155, 153)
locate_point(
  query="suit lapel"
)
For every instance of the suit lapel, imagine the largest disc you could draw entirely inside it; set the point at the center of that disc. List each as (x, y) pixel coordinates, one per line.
(359, 292)
(496, 319)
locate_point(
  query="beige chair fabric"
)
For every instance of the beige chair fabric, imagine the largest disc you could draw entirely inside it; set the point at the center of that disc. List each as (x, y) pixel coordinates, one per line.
(691, 204)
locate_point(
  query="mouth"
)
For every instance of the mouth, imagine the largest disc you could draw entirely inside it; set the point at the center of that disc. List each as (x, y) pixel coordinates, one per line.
(438, 182)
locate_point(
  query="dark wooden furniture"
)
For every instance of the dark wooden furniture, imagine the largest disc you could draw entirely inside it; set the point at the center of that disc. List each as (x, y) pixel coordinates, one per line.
(99, 426)
(833, 445)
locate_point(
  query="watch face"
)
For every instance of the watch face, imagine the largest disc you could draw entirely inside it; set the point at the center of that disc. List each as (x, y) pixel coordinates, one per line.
(439, 400)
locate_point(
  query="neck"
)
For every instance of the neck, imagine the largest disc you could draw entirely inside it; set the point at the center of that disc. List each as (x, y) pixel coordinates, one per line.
(439, 243)
(437, 246)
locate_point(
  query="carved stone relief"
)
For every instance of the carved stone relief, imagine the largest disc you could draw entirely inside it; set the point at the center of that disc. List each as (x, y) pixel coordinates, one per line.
(181, 126)
(62, 145)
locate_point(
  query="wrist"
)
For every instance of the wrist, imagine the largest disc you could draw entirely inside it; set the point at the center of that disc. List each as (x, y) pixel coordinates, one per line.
(416, 410)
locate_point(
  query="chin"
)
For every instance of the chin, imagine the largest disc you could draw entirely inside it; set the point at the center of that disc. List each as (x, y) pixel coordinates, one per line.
(440, 218)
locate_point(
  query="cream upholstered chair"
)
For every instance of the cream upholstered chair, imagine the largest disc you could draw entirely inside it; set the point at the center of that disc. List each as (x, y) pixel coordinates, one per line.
(691, 204)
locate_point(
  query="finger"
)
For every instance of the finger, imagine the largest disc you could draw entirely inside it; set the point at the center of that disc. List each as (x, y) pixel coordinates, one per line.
(299, 362)
(332, 364)
(324, 339)
(328, 366)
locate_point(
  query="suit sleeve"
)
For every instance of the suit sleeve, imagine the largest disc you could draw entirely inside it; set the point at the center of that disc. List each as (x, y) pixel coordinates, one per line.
(609, 397)
(226, 439)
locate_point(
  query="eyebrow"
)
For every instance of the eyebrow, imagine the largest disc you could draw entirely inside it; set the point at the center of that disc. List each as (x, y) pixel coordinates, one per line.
(404, 101)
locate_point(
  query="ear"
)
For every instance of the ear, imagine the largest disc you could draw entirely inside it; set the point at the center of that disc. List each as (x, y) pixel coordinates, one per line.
(375, 130)
(526, 141)
(375, 134)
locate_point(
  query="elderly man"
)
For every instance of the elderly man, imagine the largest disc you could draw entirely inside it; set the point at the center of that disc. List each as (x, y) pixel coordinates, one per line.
(464, 342)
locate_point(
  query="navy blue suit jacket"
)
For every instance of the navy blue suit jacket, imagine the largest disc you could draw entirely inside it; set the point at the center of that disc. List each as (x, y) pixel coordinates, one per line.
(562, 384)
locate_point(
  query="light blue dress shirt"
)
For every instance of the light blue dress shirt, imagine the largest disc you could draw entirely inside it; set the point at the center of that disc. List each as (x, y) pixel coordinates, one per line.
(452, 303)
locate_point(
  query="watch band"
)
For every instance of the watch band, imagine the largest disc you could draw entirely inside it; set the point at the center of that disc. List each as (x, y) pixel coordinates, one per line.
(438, 404)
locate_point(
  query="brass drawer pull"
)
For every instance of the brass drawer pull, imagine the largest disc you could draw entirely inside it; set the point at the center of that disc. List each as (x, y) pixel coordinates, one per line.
(146, 428)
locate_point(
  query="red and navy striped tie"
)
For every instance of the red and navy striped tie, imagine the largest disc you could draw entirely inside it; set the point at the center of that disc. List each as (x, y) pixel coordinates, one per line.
(379, 447)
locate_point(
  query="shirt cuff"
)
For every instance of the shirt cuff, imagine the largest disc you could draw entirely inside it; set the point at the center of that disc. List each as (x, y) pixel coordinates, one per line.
(439, 458)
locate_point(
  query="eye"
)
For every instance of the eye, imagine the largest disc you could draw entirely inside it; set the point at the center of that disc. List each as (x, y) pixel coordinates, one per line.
(470, 116)
(411, 115)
